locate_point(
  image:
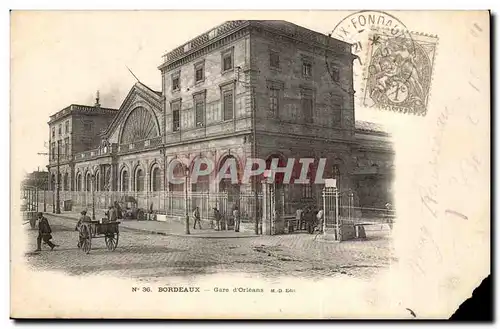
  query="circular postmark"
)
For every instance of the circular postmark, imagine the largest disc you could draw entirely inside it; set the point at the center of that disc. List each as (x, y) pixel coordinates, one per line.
(379, 41)
(355, 28)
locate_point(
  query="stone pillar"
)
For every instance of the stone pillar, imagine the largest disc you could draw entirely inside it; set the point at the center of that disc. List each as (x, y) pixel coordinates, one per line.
(266, 209)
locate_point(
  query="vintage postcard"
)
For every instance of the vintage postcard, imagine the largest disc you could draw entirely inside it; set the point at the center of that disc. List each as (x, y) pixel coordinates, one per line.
(249, 165)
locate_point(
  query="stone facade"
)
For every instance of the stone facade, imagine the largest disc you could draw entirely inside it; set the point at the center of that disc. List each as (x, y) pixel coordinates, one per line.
(266, 89)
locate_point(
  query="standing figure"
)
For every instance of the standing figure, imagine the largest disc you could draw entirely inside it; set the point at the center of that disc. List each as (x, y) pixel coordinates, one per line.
(119, 214)
(299, 218)
(83, 219)
(236, 216)
(44, 233)
(319, 220)
(197, 219)
(112, 215)
(217, 217)
(309, 217)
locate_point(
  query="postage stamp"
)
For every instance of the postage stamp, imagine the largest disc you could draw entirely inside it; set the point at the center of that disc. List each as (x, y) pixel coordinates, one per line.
(356, 29)
(398, 72)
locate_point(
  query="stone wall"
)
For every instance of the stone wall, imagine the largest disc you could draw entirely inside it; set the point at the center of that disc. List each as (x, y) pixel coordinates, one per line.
(210, 87)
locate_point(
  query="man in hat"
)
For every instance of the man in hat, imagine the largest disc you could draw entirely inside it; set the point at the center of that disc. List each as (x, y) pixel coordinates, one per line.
(44, 233)
(217, 217)
(83, 219)
(196, 216)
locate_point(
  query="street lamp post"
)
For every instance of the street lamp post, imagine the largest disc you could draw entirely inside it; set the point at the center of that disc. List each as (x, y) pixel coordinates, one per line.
(93, 199)
(53, 196)
(186, 199)
(58, 183)
(44, 201)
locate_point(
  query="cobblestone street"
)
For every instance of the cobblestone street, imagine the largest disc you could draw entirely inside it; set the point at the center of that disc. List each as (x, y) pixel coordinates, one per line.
(145, 256)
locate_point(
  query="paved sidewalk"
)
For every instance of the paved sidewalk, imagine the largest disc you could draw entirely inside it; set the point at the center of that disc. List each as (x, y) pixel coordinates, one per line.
(171, 227)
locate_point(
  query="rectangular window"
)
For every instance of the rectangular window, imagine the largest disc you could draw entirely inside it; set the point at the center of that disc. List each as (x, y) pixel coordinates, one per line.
(176, 116)
(335, 74)
(274, 60)
(307, 107)
(274, 100)
(53, 155)
(199, 106)
(175, 83)
(227, 60)
(66, 147)
(228, 104)
(87, 126)
(53, 132)
(66, 127)
(60, 129)
(306, 69)
(199, 72)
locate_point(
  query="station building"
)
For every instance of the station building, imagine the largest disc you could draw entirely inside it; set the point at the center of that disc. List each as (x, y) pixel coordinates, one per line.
(244, 89)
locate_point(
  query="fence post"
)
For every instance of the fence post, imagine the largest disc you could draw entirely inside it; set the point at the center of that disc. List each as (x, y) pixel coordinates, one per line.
(337, 231)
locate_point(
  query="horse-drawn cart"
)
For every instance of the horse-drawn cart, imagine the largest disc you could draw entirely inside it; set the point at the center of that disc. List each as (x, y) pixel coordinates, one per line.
(95, 229)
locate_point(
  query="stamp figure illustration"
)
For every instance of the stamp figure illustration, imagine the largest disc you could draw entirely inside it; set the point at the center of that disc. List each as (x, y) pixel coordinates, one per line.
(398, 72)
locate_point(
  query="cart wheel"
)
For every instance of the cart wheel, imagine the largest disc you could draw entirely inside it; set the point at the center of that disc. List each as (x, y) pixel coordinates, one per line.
(111, 241)
(87, 240)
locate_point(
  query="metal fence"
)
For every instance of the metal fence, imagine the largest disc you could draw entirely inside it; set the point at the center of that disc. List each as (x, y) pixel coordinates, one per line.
(172, 204)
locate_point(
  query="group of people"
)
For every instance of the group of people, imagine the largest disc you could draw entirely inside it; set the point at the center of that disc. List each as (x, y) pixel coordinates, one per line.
(310, 219)
(220, 222)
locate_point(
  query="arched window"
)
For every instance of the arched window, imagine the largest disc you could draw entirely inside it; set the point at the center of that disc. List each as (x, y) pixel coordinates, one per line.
(155, 179)
(178, 173)
(88, 182)
(97, 176)
(79, 182)
(226, 184)
(279, 176)
(66, 182)
(141, 124)
(139, 180)
(202, 183)
(124, 180)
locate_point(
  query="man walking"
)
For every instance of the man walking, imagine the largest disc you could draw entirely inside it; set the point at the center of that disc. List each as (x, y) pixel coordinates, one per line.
(236, 216)
(197, 219)
(44, 233)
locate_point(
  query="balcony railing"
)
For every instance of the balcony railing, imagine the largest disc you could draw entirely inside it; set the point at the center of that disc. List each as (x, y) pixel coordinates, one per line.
(140, 145)
(91, 154)
(201, 40)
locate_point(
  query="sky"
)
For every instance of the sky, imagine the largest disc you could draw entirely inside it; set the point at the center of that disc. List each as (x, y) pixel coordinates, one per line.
(60, 58)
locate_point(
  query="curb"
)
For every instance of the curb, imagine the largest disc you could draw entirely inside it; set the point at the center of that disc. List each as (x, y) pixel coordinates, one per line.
(164, 233)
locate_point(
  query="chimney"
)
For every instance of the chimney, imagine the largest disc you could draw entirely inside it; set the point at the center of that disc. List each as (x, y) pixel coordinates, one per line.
(97, 100)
